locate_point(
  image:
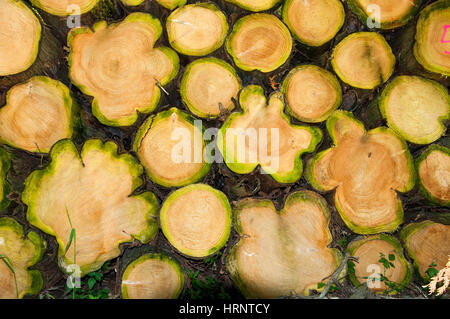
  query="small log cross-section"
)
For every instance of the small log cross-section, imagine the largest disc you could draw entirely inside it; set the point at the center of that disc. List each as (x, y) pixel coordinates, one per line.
(385, 13)
(282, 253)
(118, 67)
(262, 135)
(312, 93)
(366, 169)
(132, 3)
(5, 164)
(197, 29)
(90, 193)
(209, 86)
(363, 60)
(259, 41)
(255, 5)
(171, 148)
(416, 108)
(37, 114)
(196, 220)
(18, 252)
(171, 4)
(19, 37)
(65, 7)
(369, 251)
(428, 244)
(433, 170)
(432, 47)
(314, 22)
(153, 276)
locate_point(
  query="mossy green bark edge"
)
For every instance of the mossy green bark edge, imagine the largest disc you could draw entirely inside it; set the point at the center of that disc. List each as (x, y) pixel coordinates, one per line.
(302, 196)
(382, 103)
(419, 160)
(33, 182)
(185, 81)
(325, 73)
(172, 55)
(220, 195)
(363, 17)
(354, 245)
(35, 281)
(142, 132)
(246, 168)
(163, 257)
(309, 174)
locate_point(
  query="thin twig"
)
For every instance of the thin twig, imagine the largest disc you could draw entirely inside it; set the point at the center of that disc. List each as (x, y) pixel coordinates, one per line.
(334, 276)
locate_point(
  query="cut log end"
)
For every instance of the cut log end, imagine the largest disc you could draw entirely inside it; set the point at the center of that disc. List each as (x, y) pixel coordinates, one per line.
(209, 86)
(314, 23)
(17, 253)
(84, 191)
(170, 147)
(153, 276)
(433, 168)
(196, 220)
(197, 29)
(363, 60)
(384, 14)
(37, 114)
(115, 65)
(370, 270)
(171, 4)
(285, 253)
(312, 93)
(416, 108)
(259, 41)
(380, 164)
(263, 135)
(428, 244)
(432, 47)
(19, 38)
(255, 5)
(65, 8)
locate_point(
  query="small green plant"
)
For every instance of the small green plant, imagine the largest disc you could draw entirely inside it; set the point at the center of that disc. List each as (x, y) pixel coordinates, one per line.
(387, 264)
(209, 288)
(73, 238)
(210, 261)
(431, 271)
(46, 295)
(94, 278)
(333, 287)
(351, 267)
(89, 289)
(343, 242)
(9, 264)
